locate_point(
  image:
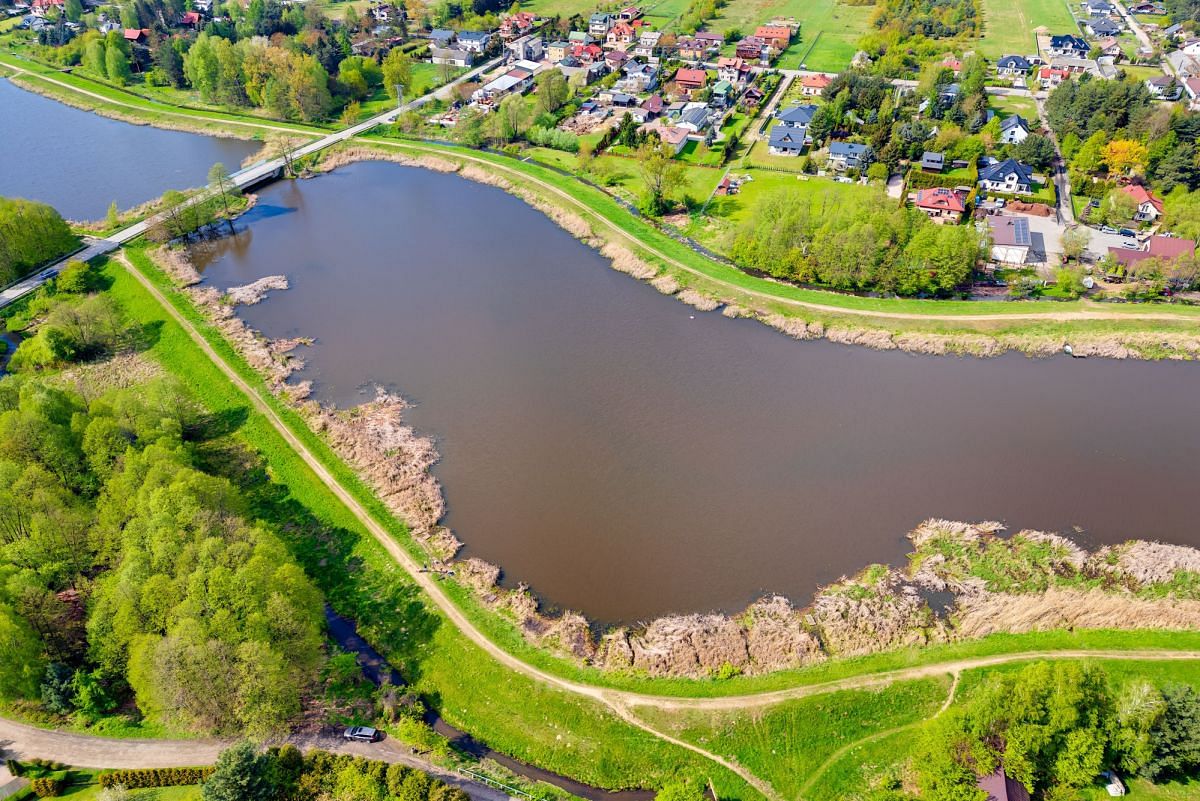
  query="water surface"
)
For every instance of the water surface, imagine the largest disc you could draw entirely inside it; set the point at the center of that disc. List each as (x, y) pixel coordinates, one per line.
(628, 456)
(80, 162)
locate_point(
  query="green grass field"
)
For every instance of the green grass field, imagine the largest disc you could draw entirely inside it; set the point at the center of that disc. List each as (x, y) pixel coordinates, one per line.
(739, 207)
(839, 27)
(1007, 105)
(1009, 25)
(90, 792)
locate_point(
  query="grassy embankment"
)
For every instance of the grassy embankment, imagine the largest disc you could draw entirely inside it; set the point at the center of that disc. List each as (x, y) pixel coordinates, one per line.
(514, 714)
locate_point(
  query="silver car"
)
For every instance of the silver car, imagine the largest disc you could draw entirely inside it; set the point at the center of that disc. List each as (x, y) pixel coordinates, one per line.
(363, 734)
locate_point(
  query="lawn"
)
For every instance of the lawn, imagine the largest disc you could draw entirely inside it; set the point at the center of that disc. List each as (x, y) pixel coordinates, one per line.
(787, 742)
(1008, 26)
(737, 208)
(1007, 105)
(829, 30)
(91, 792)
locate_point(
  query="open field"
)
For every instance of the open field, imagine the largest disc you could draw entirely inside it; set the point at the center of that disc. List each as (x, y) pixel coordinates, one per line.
(839, 27)
(738, 208)
(1007, 105)
(1009, 25)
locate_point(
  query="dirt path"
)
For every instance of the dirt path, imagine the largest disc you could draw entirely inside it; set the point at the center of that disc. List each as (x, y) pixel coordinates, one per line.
(1089, 313)
(20, 741)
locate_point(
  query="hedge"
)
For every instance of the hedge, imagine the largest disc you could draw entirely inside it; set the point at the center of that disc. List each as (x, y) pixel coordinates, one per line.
(154, 777)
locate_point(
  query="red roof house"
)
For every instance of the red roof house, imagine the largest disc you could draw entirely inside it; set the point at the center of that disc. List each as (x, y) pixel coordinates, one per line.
(778, 36)
(1166, 248)
(941, 204)
(814, 84)
(1150, 208)
(691, 80)
(136, 34)
(190, 18)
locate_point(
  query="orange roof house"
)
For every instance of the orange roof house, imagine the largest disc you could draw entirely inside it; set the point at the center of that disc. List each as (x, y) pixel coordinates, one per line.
(778, 36)
(814, 84)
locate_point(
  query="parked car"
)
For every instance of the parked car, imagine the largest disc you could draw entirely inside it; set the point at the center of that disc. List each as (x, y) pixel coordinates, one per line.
(48, 273)
(1127, 232)
(363, 734)
(1108, 229)
(1129, 244)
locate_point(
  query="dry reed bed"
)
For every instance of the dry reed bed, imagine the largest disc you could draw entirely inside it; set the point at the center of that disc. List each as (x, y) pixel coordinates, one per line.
(881, 609)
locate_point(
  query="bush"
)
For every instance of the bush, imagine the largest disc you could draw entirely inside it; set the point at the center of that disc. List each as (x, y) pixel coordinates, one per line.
(47, 786)
(154, 777)
(14, 767)
(553, 138)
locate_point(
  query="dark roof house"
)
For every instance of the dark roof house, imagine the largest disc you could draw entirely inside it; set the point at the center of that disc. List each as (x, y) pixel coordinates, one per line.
(1000, 787)
(933, 162)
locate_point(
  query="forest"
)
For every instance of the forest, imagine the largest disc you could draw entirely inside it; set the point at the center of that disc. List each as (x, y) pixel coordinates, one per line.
(31, 234)
(131, 570)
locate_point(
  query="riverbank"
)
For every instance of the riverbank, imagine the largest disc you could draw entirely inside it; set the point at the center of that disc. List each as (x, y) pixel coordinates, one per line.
(978, 328)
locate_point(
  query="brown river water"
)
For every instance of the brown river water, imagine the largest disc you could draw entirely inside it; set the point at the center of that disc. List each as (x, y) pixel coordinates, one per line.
(628, 456)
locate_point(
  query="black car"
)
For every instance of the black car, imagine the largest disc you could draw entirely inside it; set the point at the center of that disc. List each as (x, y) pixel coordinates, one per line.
(364, 734)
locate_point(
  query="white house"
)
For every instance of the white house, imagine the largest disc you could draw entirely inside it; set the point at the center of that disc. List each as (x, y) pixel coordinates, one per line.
(1010, 239)
(1009, 177)
(1014, 130)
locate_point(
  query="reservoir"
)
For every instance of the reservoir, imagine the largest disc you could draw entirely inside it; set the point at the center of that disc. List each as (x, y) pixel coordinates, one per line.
(80, 162)
(629, 456)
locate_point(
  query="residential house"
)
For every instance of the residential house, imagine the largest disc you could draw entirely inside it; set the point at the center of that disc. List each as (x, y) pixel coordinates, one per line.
(1077, 66)
(1013, 65)
(848, 156)
(571, 66)
(1192, 87)
(39, 8)
(517, 80)
(795, 117)
(1109, 46)
(474, 41)
(136, 35)
(382, 12)
(753, 49)
(778, 37)
(588, 54)
(1101, 26)
(527, 48)
(582, 38)
(933, 162)
(442, 37)
(1149, 207)
(941, 205)
(1050, 77)
(557, 51)
(191, 19)
(711, 40)
(599, 23)
(690, 50)
(615, 59)
(1154, 9)
(638, 78)
(688, 81)
(454, 56)
(611, 97)
(997, 785)
(676, 138)
(786, 141)
(948, 93)
(1009, 177)
(752, 97)
(653, 106)
(1013, 130)
(735, 70)
(953, 64)
(1191, 47)
(629, 14)
(1165, 248)
(1183, 65)
(517, 25)
(1068, 45)
(814, 84)
(1164, 87)
(695, 118)
(647, 44)
(1174, 31)
(620, 36)
(1098, 7)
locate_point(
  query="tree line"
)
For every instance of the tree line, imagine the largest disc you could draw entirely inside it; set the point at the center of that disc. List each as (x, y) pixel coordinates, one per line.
(31, 234)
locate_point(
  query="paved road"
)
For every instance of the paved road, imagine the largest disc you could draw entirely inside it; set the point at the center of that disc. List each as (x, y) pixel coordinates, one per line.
(20, 741)
(247, 176)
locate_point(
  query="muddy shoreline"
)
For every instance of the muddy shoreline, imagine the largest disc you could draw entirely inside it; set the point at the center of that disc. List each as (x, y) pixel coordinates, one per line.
(879, 609)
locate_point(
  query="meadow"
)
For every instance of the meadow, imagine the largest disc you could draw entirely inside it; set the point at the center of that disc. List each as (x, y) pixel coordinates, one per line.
(1009, 25)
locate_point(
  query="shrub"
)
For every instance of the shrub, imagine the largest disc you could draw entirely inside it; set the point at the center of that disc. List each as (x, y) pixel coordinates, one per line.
(47, 786)
(553, 138)
(154, 777)
(14, 767)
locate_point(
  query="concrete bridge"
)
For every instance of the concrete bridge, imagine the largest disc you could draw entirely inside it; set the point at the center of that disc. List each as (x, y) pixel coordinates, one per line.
(256, 174)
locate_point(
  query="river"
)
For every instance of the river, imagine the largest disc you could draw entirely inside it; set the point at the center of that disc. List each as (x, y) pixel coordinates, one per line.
(627, 455)
(80, 162)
